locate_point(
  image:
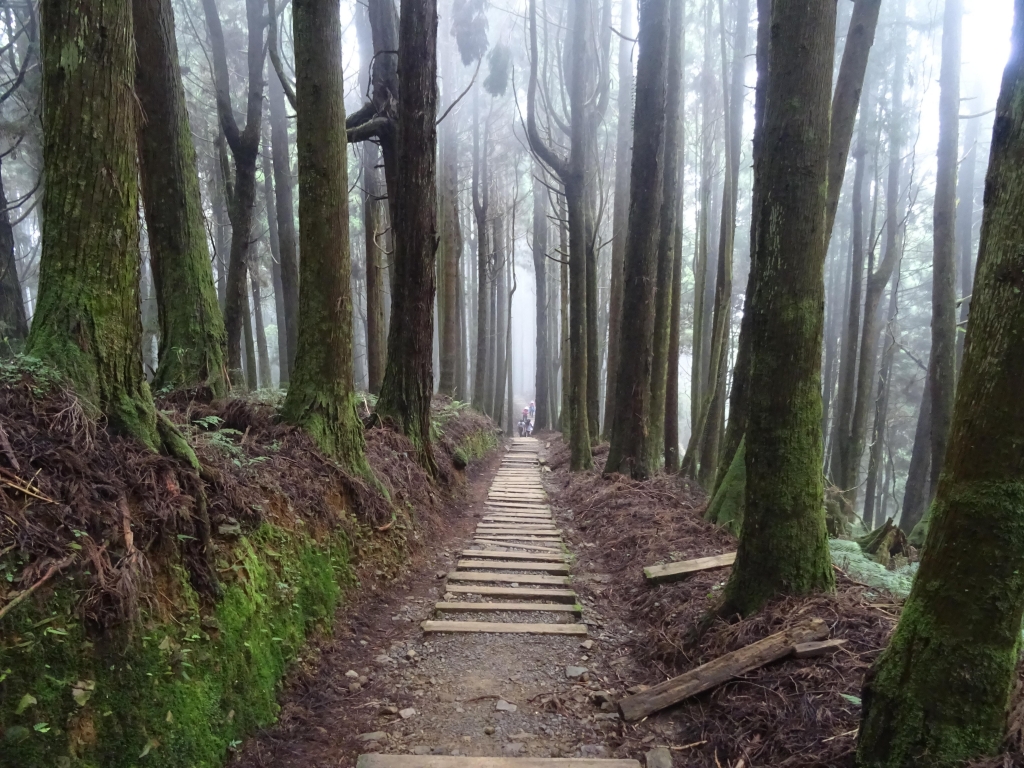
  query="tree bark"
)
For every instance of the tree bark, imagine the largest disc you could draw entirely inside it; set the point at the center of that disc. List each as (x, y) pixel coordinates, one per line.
(262, 354)
(620, 210)
(540, 258)
(87, 321)
(672, 374)
(321, 396)
(783, 546)
(915, 494)
(409, 380)
(942, 362)
(192, 335)
(630, 448)
(500, 316)
(451, 251)
(244, 146)
(942, 688)
(965, 229)
(480, 206)
(275, 260)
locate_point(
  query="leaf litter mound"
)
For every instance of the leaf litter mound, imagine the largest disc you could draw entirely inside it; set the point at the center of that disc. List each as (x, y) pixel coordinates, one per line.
(108, 515)
(799, 713)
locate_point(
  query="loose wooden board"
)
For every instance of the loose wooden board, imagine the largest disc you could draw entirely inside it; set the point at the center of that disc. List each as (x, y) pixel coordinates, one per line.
(527, 593)
(512, 565)
(501, 627)
(661, 574)
(474, 607)
(507, 578)
(721, 670)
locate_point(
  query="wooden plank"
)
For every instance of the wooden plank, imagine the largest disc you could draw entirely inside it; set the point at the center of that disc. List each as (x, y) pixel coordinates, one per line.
(551, 542)
(474, 607)
(511, 528)
(377, 760)
(513, 565)
(521, 506)
(504, 521)
(501, 554)
(514, 544)
(527, 593)
(818, 648)
(661, 574)
(508, 578)
(516, 516)
(721, 670)
(501, 627)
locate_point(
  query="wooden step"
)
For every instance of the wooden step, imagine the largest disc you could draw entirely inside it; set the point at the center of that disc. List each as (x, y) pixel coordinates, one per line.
(512, 565)
(507, 578)
(497, 553)
(514, 544)
(513, 529)
(517, 507)
(550, 542)
(500, 627)
(527, 593)
(660, 574)
(377, 760)
(514, 518)
(473, 607)
(517, 523)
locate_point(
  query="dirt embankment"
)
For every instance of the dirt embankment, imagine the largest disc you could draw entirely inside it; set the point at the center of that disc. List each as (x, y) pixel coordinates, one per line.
(794, 713)
(149, 609)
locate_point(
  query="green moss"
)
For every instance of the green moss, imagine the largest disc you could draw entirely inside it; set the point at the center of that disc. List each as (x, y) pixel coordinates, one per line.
(726, 508)
(183, 689)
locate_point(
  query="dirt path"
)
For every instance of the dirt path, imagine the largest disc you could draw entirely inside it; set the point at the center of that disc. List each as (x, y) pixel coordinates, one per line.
(383, 685)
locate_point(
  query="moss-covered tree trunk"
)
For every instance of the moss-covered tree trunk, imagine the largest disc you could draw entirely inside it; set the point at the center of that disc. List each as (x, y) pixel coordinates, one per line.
(620, 209)
(630, 447)
(87, 321)
(915, 494)
(321, 395)
(13, 323)
(192, 336)
(939, 694)
(409, 379)
(783, 548)
(244, 145)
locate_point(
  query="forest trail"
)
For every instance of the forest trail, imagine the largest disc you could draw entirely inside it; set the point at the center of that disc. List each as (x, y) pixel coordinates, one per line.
(511, 635)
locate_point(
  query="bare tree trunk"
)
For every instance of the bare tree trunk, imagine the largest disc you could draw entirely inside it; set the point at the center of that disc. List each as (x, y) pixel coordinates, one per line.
(408, 384)
(262, 353)
(630, 450)
(881, 414)
(450, 251)
(275, 260)
(500, 316)
(540, 247)
(965, 228)
(13, 323)
(480, 206)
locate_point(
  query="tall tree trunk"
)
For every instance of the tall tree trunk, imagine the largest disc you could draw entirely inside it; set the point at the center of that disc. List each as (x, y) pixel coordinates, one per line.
(409, 379)
(881, 414)
(249, 359)
(500, 317)
(620, 210)
(943, 686)
(87, 321)
(321, 397)
(630, 449)
(244, 145)
(13, 323)
(373, 225)
(915, 494)
(711, 443)
(672, 374)
(965, 228)
(451, 251)
(275, 260)
(540, 258)
(942, 362)
(218, 183)
(483, 301)
(670, 198)
(262, 354)
(563, 293)
(192, 335)
(783, 546)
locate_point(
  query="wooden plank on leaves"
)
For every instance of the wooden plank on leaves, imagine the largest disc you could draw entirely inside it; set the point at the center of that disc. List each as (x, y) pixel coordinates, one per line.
(661, 574)
(721, 670)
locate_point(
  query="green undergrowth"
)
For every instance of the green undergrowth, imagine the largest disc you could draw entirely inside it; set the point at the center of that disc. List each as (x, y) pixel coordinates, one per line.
(861, 567)
(188, 685)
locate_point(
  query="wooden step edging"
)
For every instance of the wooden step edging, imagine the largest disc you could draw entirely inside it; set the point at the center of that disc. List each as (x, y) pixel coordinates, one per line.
(501, 627)
(473, 607)
(662, 574)
(378, 760)
(507, 578)
(499, 555)
(721, 670)
(561, 595)
(513, 565)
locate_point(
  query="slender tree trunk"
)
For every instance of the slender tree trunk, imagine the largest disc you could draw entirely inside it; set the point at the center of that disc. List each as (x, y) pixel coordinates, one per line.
(500, 317)
(943, 686)
(373, 226)
(262, 354)
(942, 362)
(480, 205)
(671, 187)
(409, 379)
(275, 261)
(965, 229)
(218, 184)
(915, 495)
(672, 374)
(13, 323)
(783, 546)
(285, 209)
(620, 210)
(540, 266)
(563, 286)
(630, 449)
(321, 397)
(451, 251)
(249, 360)
(192, 335)
(881, 414)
